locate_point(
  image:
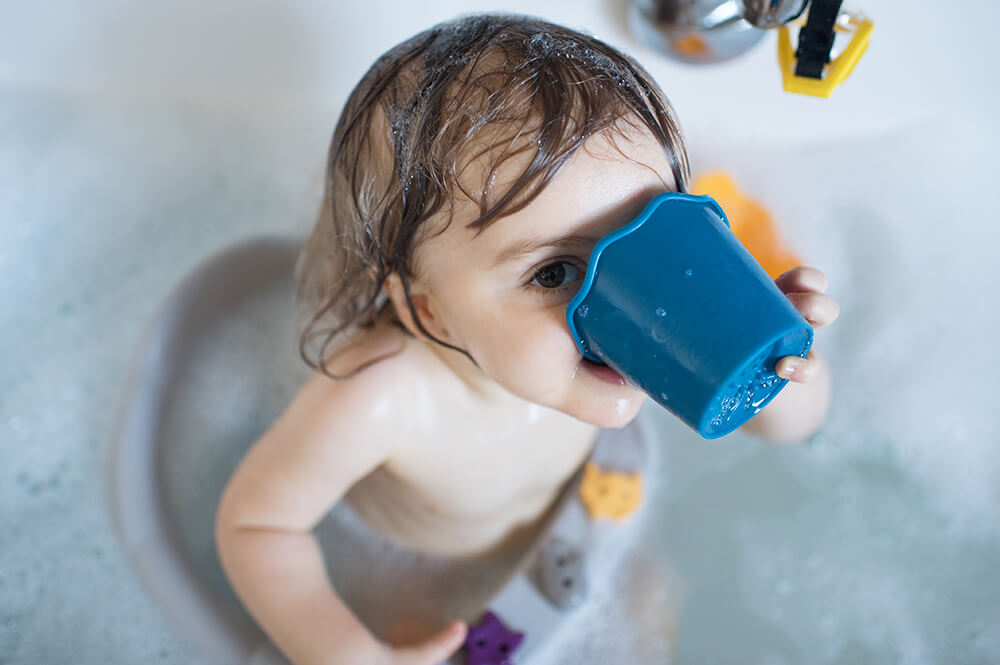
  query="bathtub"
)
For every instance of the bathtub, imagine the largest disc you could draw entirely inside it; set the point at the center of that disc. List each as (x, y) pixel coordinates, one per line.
(138, 143)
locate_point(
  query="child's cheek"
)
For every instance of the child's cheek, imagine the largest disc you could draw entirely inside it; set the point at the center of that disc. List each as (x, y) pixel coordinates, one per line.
(548, 353)
(534, 359)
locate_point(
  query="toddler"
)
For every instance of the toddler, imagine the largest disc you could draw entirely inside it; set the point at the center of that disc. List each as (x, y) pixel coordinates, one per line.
(470, 174)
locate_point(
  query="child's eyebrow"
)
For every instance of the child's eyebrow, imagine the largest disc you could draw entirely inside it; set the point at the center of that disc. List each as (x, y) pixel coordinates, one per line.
(532, 245)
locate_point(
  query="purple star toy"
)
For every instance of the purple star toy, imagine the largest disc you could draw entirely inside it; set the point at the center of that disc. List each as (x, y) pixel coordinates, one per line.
(490, 643)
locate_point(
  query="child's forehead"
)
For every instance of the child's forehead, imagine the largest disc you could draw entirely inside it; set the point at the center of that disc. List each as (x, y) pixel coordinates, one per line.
(609, 173)
(492, 169)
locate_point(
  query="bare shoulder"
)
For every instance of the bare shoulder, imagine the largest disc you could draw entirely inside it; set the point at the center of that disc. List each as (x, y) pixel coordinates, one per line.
(377, 369)
(333, 433)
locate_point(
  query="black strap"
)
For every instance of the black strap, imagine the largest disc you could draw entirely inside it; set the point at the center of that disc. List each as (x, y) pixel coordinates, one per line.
(816, 38)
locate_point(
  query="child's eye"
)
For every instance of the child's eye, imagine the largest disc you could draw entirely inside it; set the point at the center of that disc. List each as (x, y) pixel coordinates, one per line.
(556, 275)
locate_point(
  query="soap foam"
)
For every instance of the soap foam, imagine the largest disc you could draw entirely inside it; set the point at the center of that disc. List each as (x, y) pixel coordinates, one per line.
(873, 540)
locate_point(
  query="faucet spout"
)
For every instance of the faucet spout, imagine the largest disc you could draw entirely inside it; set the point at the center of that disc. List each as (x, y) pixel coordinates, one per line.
(771, 13)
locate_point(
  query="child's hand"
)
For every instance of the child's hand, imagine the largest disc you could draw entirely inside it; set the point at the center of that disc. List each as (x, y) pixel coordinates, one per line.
(431, 651)
(805, 288)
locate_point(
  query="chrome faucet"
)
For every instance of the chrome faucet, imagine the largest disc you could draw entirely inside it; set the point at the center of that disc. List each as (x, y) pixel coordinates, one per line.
(706, 31)
(709, 30)
(771, 13)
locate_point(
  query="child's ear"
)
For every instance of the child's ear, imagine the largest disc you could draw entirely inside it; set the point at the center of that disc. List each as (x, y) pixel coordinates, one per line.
(421, 304)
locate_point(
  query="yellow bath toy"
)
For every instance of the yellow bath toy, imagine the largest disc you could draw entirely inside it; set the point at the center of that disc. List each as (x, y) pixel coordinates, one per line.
(837, 70)
(750, 221)
(610, 494)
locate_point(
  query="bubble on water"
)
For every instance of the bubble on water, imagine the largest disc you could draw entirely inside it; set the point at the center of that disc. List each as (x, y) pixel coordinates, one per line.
(759, 389)
(661, 312)
(737, 398)
(689, 273)
(664, 397)
(728, 406)
(583, 311)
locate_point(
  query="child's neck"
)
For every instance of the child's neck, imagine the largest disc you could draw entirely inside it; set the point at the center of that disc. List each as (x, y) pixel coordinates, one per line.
(475, 379)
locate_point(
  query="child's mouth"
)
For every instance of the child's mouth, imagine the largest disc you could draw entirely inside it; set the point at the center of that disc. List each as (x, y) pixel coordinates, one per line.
(603, 372)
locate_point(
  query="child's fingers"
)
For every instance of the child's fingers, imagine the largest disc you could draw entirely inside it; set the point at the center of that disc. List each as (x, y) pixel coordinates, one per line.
(818, 309)
(803, 278)
(799, 370)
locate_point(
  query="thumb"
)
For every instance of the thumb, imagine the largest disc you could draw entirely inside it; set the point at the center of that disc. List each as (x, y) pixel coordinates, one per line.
(436, 648)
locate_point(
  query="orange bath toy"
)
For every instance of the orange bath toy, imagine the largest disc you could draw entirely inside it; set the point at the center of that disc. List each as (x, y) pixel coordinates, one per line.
(750, 221)
(610, 493)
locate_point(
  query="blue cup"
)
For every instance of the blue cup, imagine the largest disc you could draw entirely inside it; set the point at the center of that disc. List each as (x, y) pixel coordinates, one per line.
(675, 303)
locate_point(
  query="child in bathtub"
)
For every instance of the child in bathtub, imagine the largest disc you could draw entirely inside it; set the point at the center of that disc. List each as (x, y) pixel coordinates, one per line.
(471, 171)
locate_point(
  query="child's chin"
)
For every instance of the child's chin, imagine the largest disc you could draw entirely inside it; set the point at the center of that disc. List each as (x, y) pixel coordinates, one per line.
(617, 422)
(614, 417)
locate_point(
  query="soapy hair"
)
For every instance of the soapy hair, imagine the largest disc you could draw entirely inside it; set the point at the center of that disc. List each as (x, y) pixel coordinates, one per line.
(480, 90)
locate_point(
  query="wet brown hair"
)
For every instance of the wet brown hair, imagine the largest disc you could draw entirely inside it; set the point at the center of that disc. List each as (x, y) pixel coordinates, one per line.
(480, 90)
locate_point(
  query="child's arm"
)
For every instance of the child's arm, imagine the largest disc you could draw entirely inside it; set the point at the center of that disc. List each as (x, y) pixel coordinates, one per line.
(330, 436)
(801, 407)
